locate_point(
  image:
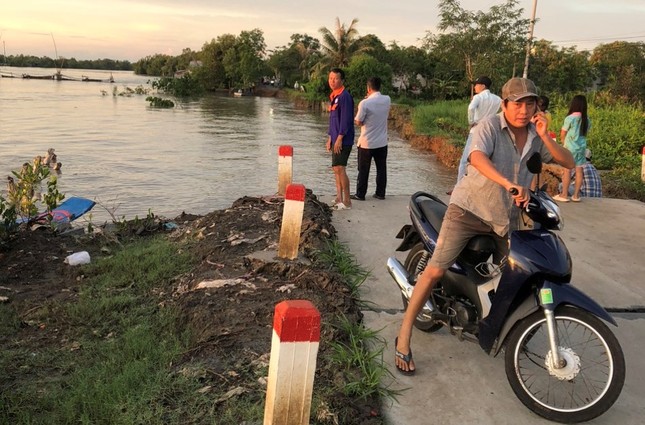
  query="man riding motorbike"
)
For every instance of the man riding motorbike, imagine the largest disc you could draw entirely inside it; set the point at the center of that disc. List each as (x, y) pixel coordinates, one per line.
(481, 203)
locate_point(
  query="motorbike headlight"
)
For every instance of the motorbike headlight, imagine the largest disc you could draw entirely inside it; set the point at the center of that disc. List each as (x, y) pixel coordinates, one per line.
(553, 212)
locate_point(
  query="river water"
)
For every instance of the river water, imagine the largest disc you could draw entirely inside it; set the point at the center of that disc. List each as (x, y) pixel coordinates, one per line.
(197, 157)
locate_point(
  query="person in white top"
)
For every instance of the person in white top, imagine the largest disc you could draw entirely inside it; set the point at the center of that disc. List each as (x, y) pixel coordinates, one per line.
(372, 143)
(483, 104)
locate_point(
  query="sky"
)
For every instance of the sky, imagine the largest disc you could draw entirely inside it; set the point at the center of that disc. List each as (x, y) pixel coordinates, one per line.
(133, 29)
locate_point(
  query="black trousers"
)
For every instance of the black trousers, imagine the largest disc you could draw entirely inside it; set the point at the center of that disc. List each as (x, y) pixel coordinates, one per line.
(365, 157)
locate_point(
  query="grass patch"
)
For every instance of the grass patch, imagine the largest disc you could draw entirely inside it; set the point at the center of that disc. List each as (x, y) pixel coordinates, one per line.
(337, 257)
(625, 183)
(117, 342)
(358, 353)
(447, 118)
(615, 137)
(616, 133)
(360, 358)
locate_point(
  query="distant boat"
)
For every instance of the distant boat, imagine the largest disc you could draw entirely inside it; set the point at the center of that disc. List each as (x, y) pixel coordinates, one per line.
(98, 80)
(38, 77)
(240, 92)
(58, 76)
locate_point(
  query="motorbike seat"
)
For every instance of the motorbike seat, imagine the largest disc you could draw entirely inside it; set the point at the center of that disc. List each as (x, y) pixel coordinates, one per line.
(434, 212)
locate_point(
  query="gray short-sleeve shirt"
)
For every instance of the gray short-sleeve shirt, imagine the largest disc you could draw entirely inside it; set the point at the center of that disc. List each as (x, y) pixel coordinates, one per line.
(486, 199)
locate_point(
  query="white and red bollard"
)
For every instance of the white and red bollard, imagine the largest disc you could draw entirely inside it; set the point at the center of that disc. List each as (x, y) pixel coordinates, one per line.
(294, 207)
(285, 168)
(294, 347)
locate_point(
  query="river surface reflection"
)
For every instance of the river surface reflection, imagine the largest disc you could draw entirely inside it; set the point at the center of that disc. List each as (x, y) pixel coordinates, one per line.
(197, 157)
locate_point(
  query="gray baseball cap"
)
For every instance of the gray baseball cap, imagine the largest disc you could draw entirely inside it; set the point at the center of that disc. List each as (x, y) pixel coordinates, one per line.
(518, 88)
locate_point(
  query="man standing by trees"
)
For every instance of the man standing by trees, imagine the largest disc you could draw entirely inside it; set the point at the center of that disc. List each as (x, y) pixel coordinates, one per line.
(482, 105)
(340, 136)
(372, 143)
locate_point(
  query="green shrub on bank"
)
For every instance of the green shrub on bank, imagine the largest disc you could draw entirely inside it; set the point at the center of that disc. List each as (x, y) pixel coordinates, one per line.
(24, 198)
(616, 133)
(180, 87)
(615, 138)
(447, 118)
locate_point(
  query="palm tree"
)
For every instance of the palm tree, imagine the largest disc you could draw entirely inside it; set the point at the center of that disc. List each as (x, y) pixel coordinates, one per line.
(305, 54)
(339, 45)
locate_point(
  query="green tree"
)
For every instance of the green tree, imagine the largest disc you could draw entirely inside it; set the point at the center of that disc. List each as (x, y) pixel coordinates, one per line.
(621, 67)
(360, 69)
(339, 45)
(559, 70)
(293, 63)
(412, 68)
(479, 43)
(243, 63)
(309, 51)
(212, 74)
(157, 65)
(373, 45)
(284, 63)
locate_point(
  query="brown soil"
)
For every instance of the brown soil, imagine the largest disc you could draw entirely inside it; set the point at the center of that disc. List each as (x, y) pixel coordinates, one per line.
(233, 323)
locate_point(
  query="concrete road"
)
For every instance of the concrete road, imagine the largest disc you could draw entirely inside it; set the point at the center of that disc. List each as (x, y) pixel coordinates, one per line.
(458, 383)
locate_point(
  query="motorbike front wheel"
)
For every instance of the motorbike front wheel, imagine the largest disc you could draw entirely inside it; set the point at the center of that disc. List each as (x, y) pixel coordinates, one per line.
(415, 262)
(592, 376)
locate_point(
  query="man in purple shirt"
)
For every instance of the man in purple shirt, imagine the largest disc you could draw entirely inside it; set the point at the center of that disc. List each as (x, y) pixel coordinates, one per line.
(340, 136)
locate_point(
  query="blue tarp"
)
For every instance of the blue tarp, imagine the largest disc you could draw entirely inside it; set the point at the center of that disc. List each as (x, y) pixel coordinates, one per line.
(66, 212)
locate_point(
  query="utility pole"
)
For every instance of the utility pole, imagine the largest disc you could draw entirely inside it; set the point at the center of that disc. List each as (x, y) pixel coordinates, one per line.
(528, 42)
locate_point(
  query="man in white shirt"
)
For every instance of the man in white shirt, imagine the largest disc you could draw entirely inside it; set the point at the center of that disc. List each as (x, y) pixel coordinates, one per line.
(372, 143)
(482, 105)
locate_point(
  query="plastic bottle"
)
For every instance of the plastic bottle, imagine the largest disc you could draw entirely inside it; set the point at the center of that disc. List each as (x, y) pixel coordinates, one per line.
(78, 258)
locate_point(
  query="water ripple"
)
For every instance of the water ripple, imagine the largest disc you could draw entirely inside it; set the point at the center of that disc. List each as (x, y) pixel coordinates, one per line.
(197, 157)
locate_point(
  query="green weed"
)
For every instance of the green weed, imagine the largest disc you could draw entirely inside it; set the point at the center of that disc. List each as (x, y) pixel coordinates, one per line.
(446, 118)
(116, 366)
(358, 352)
(337, 257)
(359, 356)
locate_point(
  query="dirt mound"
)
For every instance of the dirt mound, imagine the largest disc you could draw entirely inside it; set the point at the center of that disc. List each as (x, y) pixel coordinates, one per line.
(228, 298)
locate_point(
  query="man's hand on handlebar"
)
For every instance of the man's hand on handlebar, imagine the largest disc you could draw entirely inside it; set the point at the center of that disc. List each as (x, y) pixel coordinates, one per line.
(520, 195)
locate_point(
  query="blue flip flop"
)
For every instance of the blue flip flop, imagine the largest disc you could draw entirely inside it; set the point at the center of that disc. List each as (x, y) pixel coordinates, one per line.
(407, 358)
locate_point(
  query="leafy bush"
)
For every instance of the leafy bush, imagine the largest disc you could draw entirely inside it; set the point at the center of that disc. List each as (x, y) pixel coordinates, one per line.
(24, 197)
(180, 87)
(8, 218)
(157, 102)
(317, 89)
(360, 69)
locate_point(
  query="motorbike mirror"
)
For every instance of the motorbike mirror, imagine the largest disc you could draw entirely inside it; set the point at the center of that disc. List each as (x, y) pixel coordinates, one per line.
(534, 163)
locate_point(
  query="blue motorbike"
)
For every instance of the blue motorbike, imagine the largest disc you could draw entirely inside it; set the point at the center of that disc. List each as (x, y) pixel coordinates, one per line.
(562, 361)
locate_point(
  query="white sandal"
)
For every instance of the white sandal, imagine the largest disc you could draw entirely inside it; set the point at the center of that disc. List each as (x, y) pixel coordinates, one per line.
(340, 206)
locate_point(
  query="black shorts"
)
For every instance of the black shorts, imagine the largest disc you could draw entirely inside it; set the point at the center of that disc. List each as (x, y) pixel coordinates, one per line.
(342, 157)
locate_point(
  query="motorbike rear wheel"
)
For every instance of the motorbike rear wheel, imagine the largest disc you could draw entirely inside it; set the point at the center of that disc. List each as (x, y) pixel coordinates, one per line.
(414, 268)
(588, 384)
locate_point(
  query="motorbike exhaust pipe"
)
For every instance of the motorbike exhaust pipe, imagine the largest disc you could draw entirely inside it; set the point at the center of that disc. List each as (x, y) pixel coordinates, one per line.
(401, 276)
